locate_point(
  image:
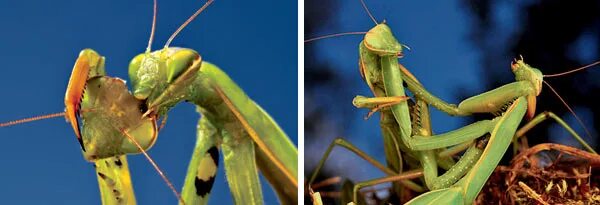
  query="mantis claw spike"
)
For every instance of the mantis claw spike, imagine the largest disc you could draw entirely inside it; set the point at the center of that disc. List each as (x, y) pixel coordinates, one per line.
(370, 114)
(80, 140)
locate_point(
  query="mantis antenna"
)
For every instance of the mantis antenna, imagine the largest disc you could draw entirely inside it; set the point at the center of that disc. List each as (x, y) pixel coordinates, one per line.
(364, 5)
(160, 172)
(31, 119)
(187, 22)
(335, 35)
(587, 132)
(149, 48)
(572, 71)
(562, 100)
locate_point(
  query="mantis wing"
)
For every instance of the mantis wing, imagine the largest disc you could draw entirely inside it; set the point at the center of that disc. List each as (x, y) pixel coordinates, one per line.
(277, 156)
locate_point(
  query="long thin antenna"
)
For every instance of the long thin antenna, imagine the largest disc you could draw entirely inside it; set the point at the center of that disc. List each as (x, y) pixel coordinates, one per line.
(188, 21)
(335, 35)
(149, 48)
(570, 110)
(572, 71)
(30, 119)
(368, 12)
(160, 172)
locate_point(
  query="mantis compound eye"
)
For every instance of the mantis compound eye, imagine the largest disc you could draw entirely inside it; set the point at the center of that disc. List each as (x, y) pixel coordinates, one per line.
(134, 66)
(179, 62)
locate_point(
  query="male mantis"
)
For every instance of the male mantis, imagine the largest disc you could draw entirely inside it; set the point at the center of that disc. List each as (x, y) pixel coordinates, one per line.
(178, 153)
(387, 49)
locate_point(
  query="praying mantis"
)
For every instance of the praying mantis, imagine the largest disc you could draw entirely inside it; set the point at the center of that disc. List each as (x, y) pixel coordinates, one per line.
(178, 153)
(508, 100)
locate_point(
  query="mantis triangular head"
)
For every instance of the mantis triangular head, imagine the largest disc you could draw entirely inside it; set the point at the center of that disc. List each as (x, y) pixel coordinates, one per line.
(524, 72)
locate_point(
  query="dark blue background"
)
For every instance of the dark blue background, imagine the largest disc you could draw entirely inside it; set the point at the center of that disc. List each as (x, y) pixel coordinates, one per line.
(255, 42)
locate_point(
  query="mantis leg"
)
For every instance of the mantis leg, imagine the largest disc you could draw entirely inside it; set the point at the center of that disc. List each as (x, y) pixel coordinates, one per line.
(405, 176)
(549, 115)
(376, 103)
(428, 158)
(487, 102)
(455, 149)
(203, 165)
(114, 180)
(464, 164)
(461, 135)
(345, 144)
(240, 168)
(467, 189)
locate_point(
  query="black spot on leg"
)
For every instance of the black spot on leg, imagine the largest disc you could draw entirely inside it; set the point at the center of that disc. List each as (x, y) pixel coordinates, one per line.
(118, 162)
(203, 187)
(214, 154)
(102, 176)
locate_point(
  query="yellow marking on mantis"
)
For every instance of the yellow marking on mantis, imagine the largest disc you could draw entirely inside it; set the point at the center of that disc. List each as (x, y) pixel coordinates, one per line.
(210, 168)
(255, 137)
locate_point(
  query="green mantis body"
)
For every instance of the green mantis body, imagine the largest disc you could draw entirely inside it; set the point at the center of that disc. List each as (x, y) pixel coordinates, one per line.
(511, 102)
(239, 124)
(379, 51)
(185, 77)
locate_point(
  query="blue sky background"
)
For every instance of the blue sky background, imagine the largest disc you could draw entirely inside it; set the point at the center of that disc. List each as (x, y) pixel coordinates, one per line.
(442, 57)
(255, 42)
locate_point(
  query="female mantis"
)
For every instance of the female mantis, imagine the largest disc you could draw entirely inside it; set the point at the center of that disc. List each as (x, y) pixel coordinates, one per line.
(389, 47)
(123, 17)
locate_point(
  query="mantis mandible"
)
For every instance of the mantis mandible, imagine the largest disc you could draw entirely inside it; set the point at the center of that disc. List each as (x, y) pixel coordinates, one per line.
(380, 42)
(174, 123)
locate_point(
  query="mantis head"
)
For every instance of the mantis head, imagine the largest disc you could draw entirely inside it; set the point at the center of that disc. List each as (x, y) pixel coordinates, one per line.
(159, 77)
(524, 72)
(381, 41)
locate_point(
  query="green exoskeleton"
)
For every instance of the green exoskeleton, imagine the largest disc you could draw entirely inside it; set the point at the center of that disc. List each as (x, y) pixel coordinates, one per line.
(462, 182)
(246, 135)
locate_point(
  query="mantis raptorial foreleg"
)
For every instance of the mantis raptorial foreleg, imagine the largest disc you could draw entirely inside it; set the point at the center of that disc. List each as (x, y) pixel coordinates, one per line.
(114, 181)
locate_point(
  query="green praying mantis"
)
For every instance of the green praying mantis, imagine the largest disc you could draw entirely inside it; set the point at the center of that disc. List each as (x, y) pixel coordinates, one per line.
(409, 131)
(110, 122)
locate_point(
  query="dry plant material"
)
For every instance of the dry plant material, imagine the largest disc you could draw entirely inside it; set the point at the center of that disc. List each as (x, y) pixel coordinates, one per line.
(545, 174)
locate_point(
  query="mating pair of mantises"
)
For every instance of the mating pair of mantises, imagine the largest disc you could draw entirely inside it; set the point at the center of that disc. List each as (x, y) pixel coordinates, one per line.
(110, 122)
(407, 134)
